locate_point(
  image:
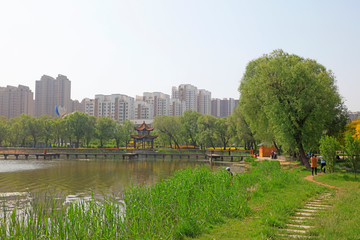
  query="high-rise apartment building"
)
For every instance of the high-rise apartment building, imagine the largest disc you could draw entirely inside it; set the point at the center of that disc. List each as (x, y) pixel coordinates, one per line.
(191, 99)
(174, 93)
(89, 106)
(16, 100)
(188, 94)
(224, 107)
(50, 92)
(117, 106)
(215, 107)
(177, 108)
(204, 101)
(77, 106)
(143, 109)
(159, 101)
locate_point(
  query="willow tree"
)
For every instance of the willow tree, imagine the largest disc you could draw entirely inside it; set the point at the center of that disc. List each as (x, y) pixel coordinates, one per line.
(290, 99)
(169, 127)
(76, 124)
(189, 121)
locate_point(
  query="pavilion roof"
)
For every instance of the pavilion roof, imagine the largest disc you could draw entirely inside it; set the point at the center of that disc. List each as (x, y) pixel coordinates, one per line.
(143, 127)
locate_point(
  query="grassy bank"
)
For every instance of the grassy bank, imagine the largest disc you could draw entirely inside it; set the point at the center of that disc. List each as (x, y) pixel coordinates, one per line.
(193, 203)
(271, 209)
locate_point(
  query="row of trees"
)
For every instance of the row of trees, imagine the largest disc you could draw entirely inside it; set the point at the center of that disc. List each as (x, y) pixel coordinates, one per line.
(75, 129)
(80, 129)
(203, 131)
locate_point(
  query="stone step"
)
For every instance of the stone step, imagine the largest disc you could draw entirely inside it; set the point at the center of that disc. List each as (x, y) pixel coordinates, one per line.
(287, 236)
(299, 226)
(298, 220)
(315, 208)
(317, 205)
(308, 210)
(304, 214)
(303, 217)
(294, 230)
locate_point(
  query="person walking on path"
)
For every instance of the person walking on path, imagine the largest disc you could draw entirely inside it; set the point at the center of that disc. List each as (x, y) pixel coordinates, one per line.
(322, 164)
(314, 160)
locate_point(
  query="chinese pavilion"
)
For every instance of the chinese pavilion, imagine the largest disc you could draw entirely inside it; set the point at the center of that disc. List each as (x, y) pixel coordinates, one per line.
(143, 137)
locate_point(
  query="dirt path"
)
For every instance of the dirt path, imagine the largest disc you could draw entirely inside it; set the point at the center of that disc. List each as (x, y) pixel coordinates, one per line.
(311, 178)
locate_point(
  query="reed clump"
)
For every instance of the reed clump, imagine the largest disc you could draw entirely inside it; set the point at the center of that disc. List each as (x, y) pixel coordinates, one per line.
(185, 205)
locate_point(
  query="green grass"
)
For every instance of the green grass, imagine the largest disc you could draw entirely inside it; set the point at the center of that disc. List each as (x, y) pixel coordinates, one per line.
(273, 201)
(192, 202)
(271, 209)
(342, 220)
(197, 203)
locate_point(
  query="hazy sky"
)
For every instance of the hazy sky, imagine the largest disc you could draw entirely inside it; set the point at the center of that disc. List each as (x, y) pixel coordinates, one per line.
(130, 47)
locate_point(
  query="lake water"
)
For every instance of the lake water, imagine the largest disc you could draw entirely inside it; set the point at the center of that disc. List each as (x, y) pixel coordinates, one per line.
(79, 179)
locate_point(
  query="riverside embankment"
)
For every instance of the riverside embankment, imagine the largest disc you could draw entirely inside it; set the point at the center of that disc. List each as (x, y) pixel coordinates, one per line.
(190, 203)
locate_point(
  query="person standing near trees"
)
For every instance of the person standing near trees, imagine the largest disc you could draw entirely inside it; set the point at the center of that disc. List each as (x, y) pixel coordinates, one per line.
(322, 164)
(314, 161)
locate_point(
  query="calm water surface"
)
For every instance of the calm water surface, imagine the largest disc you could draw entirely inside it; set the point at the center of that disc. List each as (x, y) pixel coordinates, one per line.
(72, 180)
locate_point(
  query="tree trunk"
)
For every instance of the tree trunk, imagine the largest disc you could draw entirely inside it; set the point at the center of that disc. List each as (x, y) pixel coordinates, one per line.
(278, 149)
(176, 144)
(302, 157)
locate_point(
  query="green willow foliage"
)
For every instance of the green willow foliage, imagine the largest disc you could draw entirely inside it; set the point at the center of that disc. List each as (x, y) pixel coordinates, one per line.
(291, 101)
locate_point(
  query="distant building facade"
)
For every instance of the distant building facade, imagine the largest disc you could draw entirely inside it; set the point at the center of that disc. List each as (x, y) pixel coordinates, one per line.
(223, 107)
(204, 101)
(354, 115)
(116, 106)
(190, 98)
(77, 106)
(188, 94)
(143, 109)
(89, 106)
(50, 92)
(15, 101)
(160, 102)
(177, 107)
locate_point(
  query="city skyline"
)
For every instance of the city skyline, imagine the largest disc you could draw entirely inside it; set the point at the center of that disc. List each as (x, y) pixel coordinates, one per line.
(138, 46)
(53, 98)
(109, 92)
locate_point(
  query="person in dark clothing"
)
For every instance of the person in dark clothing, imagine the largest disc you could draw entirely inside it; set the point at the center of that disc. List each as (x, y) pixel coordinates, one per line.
(322, 165)
(228, 169)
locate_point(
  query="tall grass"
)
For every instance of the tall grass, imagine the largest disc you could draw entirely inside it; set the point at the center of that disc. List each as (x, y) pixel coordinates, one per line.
(185, 205)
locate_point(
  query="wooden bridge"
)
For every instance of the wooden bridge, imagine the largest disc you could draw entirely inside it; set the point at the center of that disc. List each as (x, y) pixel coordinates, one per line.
(26, 155)
(123, 155)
